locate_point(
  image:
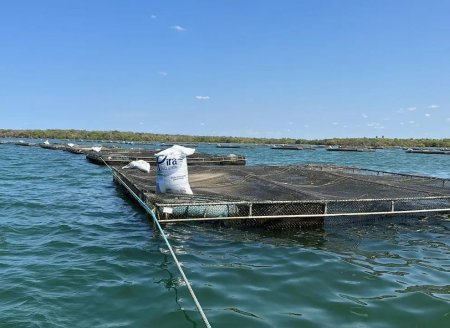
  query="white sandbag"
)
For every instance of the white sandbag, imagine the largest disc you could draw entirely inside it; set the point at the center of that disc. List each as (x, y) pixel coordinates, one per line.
(96, 149)
(140, 165)
(172, 171)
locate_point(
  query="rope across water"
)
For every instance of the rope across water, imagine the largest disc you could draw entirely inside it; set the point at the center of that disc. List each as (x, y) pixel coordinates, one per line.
(155, 220)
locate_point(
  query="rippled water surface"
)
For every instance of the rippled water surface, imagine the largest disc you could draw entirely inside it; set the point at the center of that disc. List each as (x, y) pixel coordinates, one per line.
(76, 252)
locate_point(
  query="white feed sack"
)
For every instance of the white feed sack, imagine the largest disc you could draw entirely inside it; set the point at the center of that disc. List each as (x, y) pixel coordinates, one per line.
(172, 171)
(140, 165)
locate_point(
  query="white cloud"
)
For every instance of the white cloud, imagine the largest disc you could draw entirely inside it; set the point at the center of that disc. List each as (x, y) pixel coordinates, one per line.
(448, 119)
(306, 126)
(202, 97)
(335, 123)
(433, 106)
(427, 114)
(402, 123)
(412, 109)
(202, 124)
(290, 123)
(375, 125)
(178, 28)
(162, 73)
(153, 16)
(401, 110)
(141, 123)
(411, 122)
(364, 116)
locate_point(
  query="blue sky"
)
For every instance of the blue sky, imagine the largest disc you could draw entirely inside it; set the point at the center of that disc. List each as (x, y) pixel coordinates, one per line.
(254, 68)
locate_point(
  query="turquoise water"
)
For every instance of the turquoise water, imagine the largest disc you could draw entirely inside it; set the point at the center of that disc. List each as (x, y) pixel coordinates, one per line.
(76, 252)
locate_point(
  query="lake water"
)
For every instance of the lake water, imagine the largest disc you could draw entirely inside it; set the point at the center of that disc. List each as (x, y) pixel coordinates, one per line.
(76, 252)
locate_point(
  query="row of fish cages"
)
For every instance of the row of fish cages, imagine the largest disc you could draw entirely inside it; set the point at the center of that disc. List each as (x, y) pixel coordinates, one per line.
(118, 156)
(297, 147)
(75, 148)
(84, 147)
(226, 190)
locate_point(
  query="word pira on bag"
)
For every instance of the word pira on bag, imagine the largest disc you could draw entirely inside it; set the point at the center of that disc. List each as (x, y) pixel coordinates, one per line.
(172, 171)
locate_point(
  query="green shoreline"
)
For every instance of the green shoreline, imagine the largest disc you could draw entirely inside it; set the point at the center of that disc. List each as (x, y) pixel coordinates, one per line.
(152, 137)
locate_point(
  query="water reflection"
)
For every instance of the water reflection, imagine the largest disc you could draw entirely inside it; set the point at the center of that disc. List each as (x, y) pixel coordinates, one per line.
(173, 282)
(360, 269)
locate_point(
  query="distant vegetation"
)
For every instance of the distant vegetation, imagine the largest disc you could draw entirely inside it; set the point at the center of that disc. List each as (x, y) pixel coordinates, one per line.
(151, 137)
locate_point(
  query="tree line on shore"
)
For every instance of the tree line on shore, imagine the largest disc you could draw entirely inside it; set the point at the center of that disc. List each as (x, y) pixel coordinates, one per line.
(168, 138)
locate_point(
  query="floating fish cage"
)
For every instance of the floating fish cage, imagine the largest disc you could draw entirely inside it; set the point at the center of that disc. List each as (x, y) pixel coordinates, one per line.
(353, 149)
(429, 151)
(123, 158)
(289, 147)
(285, 197)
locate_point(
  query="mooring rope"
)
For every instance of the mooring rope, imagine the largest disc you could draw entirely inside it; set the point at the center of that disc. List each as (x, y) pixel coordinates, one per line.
(155, 220)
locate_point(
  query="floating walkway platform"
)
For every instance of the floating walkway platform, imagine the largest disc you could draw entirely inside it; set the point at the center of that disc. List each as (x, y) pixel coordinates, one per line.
(285, 197)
